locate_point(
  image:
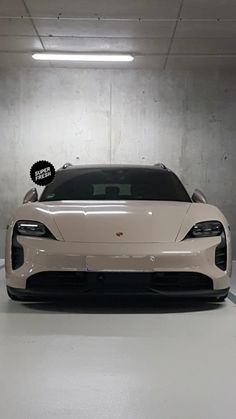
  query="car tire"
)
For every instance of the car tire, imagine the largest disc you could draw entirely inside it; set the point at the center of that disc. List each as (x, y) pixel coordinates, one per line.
(223, 298)
(220, 299)
(12, 296)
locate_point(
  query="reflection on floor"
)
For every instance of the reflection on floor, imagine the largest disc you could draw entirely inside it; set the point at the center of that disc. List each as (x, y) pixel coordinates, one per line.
(113, 359)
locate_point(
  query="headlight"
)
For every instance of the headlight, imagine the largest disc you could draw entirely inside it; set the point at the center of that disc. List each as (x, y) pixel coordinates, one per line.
(33, 228)
(206, 229)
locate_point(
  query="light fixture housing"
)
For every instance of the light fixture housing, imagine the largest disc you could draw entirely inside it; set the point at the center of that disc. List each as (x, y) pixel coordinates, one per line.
(96, 57)
(33, 228)
(206, 229)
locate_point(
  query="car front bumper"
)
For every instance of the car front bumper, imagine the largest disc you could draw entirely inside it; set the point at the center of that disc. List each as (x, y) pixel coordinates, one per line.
(192, 256)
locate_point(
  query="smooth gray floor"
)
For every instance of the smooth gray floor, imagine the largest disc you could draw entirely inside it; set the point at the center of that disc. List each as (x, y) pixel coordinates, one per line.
(136, 359)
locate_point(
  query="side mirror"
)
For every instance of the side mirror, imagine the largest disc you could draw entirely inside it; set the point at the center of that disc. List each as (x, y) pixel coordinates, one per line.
(199, 197)
(31, 196)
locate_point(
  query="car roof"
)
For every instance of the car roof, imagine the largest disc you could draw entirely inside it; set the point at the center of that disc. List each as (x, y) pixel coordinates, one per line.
(158, 166)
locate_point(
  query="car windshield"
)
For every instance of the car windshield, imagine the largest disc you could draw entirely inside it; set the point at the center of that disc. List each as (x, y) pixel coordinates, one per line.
(115, 184)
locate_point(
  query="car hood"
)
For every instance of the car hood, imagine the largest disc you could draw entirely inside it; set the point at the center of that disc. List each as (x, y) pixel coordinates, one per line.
(116, 221)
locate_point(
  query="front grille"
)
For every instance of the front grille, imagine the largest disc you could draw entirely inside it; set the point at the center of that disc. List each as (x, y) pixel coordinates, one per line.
(174, 281)
(105, 282)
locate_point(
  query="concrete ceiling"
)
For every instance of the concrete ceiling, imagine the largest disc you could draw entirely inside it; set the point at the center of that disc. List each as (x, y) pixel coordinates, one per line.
(167, 34)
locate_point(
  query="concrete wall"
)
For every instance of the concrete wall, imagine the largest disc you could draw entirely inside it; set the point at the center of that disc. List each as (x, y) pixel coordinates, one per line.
(186, 120)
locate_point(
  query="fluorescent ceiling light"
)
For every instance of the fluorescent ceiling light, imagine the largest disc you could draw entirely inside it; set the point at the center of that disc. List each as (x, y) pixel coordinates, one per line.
(83, 57)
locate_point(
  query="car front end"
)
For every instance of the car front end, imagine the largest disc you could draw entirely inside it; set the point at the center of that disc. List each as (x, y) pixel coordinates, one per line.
(64, 249)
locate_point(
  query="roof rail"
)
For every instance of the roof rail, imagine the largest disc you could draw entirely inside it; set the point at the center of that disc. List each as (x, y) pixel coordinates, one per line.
(161, 165)
(66, 165)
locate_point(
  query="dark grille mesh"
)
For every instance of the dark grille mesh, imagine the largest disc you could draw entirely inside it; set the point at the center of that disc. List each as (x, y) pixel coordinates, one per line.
(134, 282)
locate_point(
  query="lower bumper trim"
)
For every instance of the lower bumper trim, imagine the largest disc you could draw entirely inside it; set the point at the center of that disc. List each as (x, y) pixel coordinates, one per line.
(19, 294)
(72, 284)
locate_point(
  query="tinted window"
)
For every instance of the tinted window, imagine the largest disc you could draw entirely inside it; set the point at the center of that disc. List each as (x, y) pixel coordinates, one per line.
(115, 184)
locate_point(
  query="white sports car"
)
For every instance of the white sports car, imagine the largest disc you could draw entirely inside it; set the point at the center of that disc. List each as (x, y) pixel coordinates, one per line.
(117, 229)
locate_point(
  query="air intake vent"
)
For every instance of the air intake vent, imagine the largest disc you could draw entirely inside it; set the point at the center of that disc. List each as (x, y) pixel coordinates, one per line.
(17, 252)
(221, 254)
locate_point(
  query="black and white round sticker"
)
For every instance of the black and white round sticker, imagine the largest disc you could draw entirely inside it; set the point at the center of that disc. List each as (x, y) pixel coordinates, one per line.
(42, 172)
